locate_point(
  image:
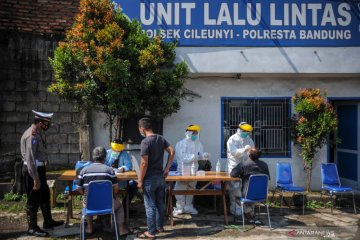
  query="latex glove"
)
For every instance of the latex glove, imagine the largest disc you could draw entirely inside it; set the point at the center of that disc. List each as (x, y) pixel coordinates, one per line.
(206, 156)
(192, 158)
(247, 147)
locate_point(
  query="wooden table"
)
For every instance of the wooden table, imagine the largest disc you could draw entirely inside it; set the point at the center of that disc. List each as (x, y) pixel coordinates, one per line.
(70, 175)
(209, 177)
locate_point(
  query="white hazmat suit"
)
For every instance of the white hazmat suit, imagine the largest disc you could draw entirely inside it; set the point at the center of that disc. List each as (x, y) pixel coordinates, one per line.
(187, 152)
(237, 148)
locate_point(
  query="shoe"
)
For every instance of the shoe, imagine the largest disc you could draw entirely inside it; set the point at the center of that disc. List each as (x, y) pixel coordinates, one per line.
(190, 210)
(37, 232)
(52, 223)
(258, 223)
(178, 211)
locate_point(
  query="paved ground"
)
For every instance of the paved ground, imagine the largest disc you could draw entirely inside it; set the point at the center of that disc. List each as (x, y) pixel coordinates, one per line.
(287, 224)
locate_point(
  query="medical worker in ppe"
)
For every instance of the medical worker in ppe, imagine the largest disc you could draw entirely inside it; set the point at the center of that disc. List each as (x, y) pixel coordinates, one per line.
(118, 158)
(238, 146)
(188, 151)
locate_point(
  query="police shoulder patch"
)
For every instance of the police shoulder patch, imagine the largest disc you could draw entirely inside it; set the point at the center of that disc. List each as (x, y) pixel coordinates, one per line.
(33, 141)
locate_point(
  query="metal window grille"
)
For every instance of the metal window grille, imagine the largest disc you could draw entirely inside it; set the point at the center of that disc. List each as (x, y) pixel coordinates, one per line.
(270, 119)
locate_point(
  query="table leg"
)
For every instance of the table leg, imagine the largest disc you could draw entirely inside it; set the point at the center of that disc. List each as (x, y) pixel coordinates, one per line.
(171, 205)
(223, 191)
(69, 205)
(127, 202)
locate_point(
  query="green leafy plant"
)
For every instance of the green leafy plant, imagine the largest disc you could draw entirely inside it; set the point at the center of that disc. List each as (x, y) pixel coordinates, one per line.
(10, 196)
(108, 63)
(315, 120)
(313, 204)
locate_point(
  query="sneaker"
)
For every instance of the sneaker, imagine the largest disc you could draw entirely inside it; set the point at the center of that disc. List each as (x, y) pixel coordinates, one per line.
(37, 232)
(190, 210)
(258, 223)
(178, 211)
(52, 223)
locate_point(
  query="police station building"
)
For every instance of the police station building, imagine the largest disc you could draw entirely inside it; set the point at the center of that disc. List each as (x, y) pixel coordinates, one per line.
(247, 59)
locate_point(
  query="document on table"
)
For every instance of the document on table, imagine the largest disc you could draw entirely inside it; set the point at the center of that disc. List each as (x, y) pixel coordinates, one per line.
(174, 173)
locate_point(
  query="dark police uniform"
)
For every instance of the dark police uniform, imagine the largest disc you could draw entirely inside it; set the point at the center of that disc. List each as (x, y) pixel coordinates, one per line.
(33, 151)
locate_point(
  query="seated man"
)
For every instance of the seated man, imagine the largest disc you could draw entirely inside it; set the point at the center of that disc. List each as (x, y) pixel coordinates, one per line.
(117, 158)
(99, 171)
(243, 170)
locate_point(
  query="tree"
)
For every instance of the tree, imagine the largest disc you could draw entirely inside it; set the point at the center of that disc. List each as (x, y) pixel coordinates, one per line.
(315, 121)
(108, 63)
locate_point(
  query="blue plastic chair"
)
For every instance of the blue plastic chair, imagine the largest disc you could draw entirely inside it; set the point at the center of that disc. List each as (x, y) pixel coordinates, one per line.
(284, 182)
(331, 183)
(257, 192)
(99, 201)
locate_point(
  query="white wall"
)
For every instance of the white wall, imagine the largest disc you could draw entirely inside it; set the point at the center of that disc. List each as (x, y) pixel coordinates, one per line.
(206, 111)
(270, 59)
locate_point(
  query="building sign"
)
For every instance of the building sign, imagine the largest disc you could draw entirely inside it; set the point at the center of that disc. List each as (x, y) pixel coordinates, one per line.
(249, 22)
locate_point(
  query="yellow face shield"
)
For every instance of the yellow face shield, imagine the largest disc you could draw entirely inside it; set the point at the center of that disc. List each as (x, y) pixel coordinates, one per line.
(245, 127)
(194, 128)
(118, 147)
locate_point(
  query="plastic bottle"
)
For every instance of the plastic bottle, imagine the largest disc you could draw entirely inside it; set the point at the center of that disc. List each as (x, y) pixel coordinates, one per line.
(218, 166)
(193, 170)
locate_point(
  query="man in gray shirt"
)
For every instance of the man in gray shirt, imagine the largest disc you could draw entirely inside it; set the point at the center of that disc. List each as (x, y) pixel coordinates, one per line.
(152, 176)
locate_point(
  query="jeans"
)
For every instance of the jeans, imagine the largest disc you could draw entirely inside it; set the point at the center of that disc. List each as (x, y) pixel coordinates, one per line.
(154, 192)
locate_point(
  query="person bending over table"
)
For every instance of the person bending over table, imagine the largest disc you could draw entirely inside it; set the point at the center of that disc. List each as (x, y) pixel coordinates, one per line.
(243, 170)
(99, 171)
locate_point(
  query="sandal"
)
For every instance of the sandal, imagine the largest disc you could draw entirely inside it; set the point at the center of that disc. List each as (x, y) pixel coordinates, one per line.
(145, 235)
(161, 230)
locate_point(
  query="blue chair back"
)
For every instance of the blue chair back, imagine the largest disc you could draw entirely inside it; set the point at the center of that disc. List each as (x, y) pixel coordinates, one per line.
(99, 198)
(257, 188)
(329, 174)
(283, 173)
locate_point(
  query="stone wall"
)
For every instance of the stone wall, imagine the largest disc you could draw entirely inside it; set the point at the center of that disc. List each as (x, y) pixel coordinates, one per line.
(29, 32)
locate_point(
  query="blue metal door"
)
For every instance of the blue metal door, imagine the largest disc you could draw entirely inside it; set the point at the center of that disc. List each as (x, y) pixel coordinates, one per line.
(347, 151)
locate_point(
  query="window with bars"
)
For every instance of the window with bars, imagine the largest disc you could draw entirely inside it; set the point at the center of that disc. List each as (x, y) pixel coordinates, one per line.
(270, 118)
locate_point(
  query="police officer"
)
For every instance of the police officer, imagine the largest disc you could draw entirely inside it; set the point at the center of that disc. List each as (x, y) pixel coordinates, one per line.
(33, 151)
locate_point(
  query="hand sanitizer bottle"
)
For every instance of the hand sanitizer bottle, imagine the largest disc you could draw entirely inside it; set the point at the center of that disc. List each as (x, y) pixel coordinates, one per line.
(193, 170)
(218, 166)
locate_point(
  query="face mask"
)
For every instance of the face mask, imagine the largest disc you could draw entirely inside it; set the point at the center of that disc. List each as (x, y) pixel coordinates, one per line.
(45, 125)
(193, 137)
(244, 134)
(115, 155)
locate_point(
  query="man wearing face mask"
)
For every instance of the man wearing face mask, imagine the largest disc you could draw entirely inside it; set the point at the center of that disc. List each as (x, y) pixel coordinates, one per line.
(33, 151)
(238, 146)
(188, 151)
